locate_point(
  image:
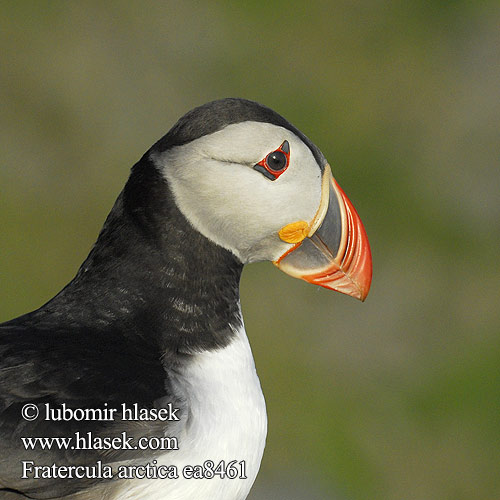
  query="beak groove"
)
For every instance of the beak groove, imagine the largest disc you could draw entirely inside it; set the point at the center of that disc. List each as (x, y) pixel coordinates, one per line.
(350, 271)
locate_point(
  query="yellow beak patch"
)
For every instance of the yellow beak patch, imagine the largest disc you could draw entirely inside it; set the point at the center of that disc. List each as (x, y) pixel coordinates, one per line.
(294, 232)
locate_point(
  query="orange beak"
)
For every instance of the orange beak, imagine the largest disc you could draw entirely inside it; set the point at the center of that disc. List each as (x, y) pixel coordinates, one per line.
(332, 250)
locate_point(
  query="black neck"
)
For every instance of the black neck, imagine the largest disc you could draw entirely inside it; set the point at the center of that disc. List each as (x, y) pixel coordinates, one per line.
(151, 274)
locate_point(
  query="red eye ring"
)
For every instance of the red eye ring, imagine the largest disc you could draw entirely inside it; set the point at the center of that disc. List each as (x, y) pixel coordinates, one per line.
(275, 163)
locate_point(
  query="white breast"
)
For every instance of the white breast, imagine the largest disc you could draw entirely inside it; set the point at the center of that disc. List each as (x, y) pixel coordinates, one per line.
(227, 421)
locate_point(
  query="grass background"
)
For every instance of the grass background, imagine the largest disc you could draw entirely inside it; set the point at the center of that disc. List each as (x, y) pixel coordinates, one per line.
(397, 398)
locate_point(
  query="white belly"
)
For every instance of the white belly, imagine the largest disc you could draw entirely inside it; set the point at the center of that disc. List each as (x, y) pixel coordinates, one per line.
(227, 421)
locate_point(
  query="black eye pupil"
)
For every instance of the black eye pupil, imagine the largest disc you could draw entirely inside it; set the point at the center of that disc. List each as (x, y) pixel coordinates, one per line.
(276, 160)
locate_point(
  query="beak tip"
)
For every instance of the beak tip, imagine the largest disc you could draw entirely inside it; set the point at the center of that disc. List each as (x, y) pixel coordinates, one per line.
(357, 288)
(364, 274)
(363, 293)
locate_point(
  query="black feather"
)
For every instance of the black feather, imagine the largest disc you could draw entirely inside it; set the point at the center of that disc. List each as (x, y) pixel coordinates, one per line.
(113, 334)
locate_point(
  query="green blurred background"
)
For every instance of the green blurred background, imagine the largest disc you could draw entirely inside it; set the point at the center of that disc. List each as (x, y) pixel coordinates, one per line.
(397, 398)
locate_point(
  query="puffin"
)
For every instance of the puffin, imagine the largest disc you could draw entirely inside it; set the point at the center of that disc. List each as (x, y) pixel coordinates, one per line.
(137, 380)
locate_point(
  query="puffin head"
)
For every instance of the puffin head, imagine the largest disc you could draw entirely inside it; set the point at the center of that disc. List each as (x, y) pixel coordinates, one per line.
(249, 181)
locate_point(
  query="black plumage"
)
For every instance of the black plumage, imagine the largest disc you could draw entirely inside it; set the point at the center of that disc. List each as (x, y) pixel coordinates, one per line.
(113, 334)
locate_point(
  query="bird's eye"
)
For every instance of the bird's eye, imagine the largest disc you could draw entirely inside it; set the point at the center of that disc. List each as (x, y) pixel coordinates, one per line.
(276, 160)
(275, 163)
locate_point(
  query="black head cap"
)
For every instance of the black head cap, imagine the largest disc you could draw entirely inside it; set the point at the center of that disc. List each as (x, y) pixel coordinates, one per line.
(216, 115)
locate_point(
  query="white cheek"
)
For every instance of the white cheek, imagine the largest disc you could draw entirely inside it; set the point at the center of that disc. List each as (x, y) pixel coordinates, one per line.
(234, 205)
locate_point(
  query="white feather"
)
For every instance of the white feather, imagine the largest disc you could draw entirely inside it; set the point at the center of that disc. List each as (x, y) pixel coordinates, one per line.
(227, 421)
(224, 198)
